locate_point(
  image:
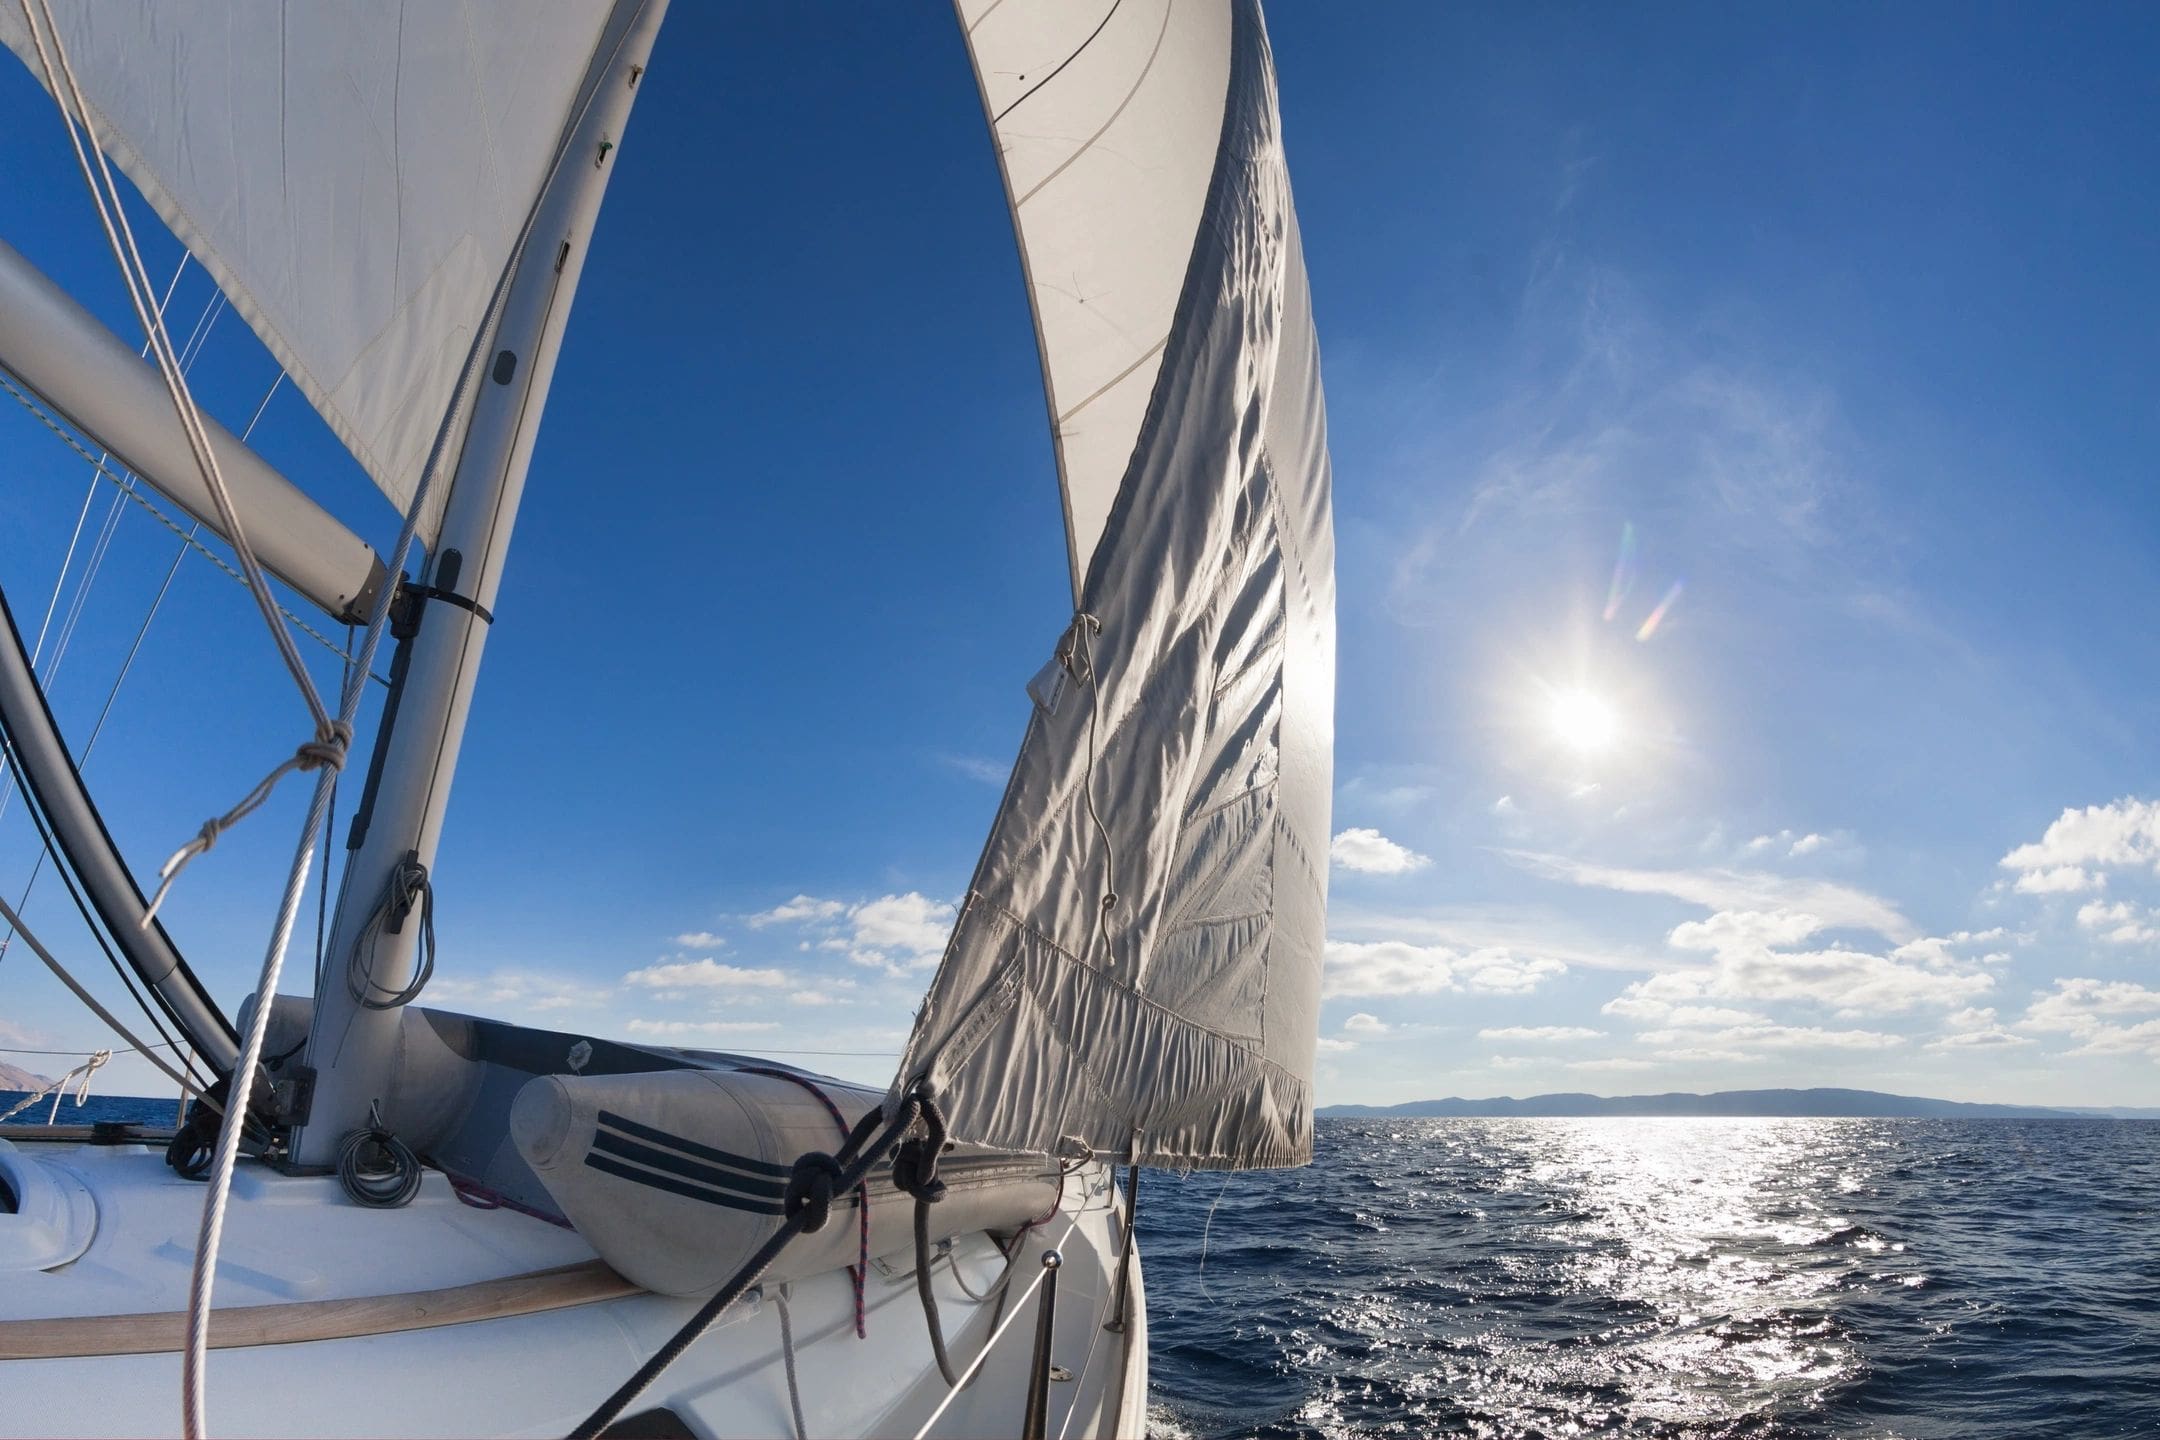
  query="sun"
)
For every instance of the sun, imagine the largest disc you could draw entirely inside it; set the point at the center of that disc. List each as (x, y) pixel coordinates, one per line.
(1583, 722)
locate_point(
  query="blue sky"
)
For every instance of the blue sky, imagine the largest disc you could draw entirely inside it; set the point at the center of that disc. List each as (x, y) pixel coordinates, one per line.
(1839, 320)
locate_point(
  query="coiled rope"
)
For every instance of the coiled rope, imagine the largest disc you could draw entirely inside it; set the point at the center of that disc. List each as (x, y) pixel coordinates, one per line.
(376, 1168)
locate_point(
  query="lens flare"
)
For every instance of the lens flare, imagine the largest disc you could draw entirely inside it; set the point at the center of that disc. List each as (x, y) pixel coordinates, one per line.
(1664, 607)
(1623, 572)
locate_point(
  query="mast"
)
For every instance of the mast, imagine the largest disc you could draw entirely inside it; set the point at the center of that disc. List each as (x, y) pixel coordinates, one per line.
(351, 1045)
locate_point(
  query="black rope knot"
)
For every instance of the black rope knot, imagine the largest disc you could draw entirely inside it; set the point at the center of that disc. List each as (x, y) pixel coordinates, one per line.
(811, 1186)
(914, 1166)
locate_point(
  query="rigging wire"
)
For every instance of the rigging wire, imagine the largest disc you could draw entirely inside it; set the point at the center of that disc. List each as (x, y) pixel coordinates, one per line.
(97, 934)
(142, 1047)
(130, 492)
(126, 665)
(332, 737)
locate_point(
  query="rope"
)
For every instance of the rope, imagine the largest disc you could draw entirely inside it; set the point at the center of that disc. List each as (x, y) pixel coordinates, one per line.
(376, 1168)
(406, 890)
(809, 1195)
(1076, 652)
(37, 948)
(995, 1335)
(76, 115)
(58, 1088)
(861, 1268)
(787, 1360)
(325, 752)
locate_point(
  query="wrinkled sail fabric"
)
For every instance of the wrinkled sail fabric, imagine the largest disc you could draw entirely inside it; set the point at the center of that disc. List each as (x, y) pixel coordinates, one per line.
(355, 176)
(1177, 1026)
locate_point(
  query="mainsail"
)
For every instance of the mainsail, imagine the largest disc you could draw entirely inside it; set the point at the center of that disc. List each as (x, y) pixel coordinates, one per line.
(1136, 966)
(361, 233)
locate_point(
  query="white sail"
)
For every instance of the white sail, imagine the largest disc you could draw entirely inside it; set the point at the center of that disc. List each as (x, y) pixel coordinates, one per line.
(1105, 114)
(355, 175)
(1189, 784)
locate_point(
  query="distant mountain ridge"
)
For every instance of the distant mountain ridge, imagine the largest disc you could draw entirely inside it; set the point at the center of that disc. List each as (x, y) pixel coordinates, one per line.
(14, 1077)
(1796, 1103)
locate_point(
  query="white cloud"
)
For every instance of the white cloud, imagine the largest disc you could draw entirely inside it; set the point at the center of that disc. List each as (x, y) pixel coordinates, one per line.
(823, 997)
(699, 1029)
(913, 924)
(706, 973)
(2059, 880)
(2081, 842)
(1992, 1038)
(1504, 974)
(897, 934)
(1744, 1038)
(1505, 806)
(1748, 965)
(1395, 967)
(1370, 853)
(1364, 1024)
(1329, 1045)
(2087, 1011)
(700, 940)
(977, 768)
(1744, 931)
(520, 990)
(797, 910)
(1807, 845)
(1540, 1033)
(1837, 907)
(1617, 1062)
(1387, 967)
(2119, 924)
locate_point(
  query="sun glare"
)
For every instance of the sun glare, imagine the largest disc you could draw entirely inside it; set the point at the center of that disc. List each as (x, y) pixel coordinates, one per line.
(1583, 722)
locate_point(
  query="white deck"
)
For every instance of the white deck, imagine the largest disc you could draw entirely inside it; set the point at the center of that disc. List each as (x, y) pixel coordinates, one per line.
(298, 1239)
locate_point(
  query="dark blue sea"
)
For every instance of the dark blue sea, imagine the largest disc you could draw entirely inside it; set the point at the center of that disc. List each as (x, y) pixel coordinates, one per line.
(1722, 1277)
(1949, 1279)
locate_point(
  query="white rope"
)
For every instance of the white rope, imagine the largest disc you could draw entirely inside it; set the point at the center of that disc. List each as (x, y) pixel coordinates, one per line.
(331, 738)
(787, 1360)
(58, 1088)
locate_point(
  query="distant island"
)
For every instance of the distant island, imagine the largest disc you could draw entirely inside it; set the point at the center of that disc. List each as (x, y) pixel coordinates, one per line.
(1868, 1103)
(14, 1077)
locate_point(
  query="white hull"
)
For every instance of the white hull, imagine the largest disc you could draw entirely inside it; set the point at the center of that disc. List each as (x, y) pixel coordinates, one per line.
(294, 1240)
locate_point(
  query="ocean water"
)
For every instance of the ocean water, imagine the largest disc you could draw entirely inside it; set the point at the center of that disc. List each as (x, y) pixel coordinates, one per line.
(1946, 1279)
(1666, 1277)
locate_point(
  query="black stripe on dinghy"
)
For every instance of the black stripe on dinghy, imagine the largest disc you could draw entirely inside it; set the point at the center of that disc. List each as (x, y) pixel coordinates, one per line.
(679, 1187)
(673, 1164)
(690, 1147)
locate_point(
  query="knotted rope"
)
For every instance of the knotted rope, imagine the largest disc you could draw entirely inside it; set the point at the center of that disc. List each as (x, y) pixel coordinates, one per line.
(860, 1270)
(326, 751)
(58, 1088)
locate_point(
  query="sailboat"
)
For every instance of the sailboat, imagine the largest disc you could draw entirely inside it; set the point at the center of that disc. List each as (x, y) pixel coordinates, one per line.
(384, 1217)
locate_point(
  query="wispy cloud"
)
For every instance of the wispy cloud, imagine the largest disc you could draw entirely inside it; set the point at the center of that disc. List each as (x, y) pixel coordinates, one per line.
(1838, 907)
(1541, 1034)
(1395, 967)
(979, 768)
(700, 1029)
(704, 974)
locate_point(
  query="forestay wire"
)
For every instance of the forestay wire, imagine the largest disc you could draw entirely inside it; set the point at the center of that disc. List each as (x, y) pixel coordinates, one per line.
(326, 749)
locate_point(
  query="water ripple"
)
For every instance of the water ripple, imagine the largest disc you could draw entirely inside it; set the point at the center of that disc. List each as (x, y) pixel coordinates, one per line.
(1667, 1278)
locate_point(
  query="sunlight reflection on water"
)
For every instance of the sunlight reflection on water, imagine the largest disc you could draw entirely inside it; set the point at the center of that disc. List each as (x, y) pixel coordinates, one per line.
(1647, 1277)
